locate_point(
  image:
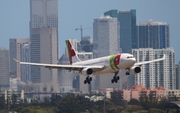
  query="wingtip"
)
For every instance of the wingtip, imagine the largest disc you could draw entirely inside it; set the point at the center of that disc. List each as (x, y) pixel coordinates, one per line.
(15, 60)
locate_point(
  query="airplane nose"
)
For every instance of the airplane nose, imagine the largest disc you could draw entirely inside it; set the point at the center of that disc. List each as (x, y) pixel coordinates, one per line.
(133, 60)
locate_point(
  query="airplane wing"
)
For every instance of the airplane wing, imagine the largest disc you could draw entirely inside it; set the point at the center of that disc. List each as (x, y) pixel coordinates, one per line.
(147, 62)
(66, 67)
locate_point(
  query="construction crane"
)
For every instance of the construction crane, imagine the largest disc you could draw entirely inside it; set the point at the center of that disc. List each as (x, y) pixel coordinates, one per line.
(81, 29)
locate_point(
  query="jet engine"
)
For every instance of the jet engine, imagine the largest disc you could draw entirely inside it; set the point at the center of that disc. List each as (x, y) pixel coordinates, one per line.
(87, 71)
(135, 70)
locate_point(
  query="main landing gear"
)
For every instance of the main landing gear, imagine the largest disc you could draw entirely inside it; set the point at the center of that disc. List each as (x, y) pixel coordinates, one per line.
(127, 71)
(115, 78)
(88, 80)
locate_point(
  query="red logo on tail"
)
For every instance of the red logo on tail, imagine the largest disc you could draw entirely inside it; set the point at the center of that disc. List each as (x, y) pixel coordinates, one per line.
(70, 51)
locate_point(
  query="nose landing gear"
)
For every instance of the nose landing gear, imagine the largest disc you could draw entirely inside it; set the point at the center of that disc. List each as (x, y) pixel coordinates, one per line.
(127, 71)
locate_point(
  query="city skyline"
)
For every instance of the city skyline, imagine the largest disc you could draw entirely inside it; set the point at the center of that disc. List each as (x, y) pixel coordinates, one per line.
(84, 12)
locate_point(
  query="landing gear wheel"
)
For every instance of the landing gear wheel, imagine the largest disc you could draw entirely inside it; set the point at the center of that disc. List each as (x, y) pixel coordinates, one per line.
(85, 81)
(115, 80)
(117, 77)
(88, 80)
(127, 73)
(112, 81)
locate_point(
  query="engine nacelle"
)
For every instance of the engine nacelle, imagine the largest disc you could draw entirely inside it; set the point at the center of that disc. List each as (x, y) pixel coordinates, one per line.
(87, 71)
(135, 70)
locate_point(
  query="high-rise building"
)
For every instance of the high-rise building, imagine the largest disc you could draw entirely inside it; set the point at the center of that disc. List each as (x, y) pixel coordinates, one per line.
(113, 13)
(43, 50)
(105, 36)
(86, 44)
(128, 38)
(160, 73)
(127, 20)
(105, 42)
(178, 75)
(4, 68)
(44, 14)
(153, 34)
(15, 52)
(25, 57)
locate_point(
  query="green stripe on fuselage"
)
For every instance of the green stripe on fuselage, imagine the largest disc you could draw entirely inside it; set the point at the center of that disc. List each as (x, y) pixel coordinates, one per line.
(111, 59)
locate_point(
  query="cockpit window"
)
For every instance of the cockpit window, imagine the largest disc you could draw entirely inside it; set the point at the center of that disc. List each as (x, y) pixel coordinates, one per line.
(130, 57)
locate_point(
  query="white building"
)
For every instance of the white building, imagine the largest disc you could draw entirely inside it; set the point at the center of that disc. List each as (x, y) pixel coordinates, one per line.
(105, 36)
(156, 74)
(25, 57)
(105, 42)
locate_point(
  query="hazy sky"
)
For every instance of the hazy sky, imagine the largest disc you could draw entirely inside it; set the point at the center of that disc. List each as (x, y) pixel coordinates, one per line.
(15, 17)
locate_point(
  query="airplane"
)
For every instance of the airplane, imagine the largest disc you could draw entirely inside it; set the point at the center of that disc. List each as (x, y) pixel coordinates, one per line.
(98, 66)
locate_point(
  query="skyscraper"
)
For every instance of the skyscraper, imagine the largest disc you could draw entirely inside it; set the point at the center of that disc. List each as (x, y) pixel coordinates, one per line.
(44, 38)
(4, 68)
(127, 20)
(105, 42)
(44, 14)
(128, 38)
(105, 36)
(43, 50)
(25, 57)
(86, 44)
(153, 34)
(178, 75)
(15, 52)
(113, 13)
(159, 73)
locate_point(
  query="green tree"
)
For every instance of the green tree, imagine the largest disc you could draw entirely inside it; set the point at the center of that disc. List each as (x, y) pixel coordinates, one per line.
(113, 109)
(46, 102)
(155, 110)
(116, 98)
(14, 100)
(54, 99)
(133, 102)
(148, 101)
(73, 104)
(2, 102)
(133, 108)
(36, 109)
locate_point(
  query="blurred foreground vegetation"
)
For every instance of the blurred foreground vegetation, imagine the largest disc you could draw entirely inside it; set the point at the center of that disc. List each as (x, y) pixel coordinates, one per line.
(74, 103)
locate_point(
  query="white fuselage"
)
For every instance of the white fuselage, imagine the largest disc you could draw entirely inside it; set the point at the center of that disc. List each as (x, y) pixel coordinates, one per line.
(111, 63)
